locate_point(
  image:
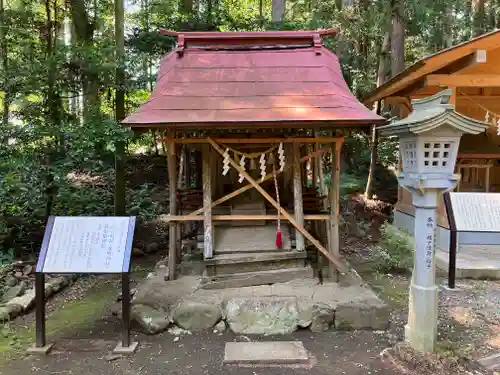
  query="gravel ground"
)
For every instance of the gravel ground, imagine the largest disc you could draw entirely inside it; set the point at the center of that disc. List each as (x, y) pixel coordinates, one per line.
(469, 329)
(331, 353)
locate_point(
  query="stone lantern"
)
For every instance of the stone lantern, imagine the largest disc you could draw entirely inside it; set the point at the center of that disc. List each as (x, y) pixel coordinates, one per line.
(428, 142)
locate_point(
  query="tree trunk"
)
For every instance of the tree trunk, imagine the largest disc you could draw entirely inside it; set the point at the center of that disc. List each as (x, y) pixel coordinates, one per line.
(448, 27)
(186, 6)
(53, 105)
(83, 28)
(478, 17)
(278, 10)
(120, 106)
(344, 5)
(397, 38)
(146, 62)
(4, 67)
(383, 68)
(383, 64)
(497, 15)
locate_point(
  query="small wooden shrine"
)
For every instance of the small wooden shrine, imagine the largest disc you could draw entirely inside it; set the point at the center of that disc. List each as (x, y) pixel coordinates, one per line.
(264, 109)
(472, 71)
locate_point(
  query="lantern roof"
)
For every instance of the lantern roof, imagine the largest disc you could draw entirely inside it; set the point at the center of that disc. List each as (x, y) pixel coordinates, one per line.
(430, 113)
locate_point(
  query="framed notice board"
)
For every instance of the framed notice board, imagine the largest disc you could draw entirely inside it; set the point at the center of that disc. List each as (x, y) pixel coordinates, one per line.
(85, 244)
(469, 212)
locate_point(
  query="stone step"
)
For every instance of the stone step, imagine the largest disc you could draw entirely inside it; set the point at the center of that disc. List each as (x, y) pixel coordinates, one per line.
(223, 264)
(251, 251)
(243, 279)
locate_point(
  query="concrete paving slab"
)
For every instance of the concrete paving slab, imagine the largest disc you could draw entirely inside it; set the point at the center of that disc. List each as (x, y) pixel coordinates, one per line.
(491, 362)
(43, 350)
(473, 261)
(126, 350)
(270, 352)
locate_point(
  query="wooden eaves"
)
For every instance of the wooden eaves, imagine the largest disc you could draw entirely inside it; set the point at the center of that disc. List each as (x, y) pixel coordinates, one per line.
(447, 68)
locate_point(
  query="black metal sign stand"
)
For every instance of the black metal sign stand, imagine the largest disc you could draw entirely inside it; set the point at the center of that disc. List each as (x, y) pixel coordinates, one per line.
(452, 266)
(125, 346)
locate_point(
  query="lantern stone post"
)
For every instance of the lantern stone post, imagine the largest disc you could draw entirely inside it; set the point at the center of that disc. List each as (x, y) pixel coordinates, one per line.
(428, 141)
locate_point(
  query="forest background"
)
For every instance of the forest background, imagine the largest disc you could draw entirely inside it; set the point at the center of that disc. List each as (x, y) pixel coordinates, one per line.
(70, 70)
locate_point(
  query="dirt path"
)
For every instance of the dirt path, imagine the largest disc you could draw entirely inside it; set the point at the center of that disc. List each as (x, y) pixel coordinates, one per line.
(333, 353)
(81, 323)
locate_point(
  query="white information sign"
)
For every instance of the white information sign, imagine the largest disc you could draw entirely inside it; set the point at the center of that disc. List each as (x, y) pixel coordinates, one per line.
(87, 245)
(476, 212)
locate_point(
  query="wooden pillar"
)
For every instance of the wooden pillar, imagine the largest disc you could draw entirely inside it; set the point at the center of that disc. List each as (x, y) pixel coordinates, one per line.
(207, 202)
(172, 177)
(323, 226)
(198, 164)
(400, 169)
(334, 197)
(298, 206)
(315, 169)
(214, 172)
(487, 178)
(287, 175)
(453, 98)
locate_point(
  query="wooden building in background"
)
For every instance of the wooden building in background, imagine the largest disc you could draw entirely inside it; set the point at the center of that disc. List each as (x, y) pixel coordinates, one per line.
(472, 71)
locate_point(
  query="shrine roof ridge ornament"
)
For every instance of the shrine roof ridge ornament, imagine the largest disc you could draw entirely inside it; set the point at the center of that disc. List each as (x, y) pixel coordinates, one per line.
(248, 39)
(430, 113)
(208, 36)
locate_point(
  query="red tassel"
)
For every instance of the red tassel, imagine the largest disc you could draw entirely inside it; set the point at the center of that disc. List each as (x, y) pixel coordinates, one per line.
(279, 240)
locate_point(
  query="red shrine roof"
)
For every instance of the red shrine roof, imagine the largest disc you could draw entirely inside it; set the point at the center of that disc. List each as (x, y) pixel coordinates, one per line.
(227, 79)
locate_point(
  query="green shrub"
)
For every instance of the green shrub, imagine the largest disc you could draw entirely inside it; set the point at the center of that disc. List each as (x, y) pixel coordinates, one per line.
(394, 253)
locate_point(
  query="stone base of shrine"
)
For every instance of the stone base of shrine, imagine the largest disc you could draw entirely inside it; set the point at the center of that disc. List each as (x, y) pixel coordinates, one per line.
(280, 308)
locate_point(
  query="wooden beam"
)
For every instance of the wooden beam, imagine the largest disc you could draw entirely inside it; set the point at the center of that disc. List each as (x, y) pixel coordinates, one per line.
(479, 156)
(463, 98)
(335, 205)
(342, 267)
(207, 203)
(241, 190)
(411, 88)
(257, 140)
(474, 166)
(464, 63)
(298, 205)
(172, 176)
(478, 57)
(168, 218)
(399, 100)
(463, 80)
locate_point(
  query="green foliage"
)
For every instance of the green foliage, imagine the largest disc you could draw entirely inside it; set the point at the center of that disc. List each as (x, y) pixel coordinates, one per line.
(350, 183)
(58, 77)
(395, 251)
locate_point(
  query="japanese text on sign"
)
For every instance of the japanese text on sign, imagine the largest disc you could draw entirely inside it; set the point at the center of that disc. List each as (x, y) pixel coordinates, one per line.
(87, 245)
(429, 242)
(476, 212)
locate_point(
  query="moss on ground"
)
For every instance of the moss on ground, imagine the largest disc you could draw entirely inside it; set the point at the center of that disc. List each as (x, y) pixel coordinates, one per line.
(68, 316)
(393, 290)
